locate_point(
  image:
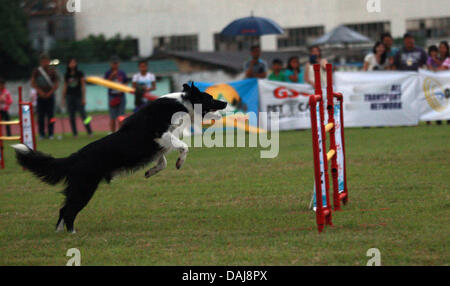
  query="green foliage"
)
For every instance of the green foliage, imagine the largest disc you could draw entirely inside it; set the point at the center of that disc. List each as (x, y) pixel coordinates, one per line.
(17, 57)
(226, 206)
(95, 49)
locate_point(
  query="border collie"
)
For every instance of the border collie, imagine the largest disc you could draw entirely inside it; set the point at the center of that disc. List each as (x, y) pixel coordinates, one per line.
(145, 137)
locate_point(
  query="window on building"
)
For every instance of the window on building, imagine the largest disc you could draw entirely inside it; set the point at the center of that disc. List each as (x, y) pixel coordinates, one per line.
(176, 43)
(51, 28)
(237, 43)
(65, 28)
(372, 30)
(297, 37)
(134, 46)
(429, 28)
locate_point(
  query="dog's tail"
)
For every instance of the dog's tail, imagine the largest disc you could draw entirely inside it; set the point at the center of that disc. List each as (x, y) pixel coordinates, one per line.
(45, 167)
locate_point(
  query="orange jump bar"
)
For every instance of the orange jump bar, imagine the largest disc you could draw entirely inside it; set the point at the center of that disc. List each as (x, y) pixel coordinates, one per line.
(330, 154)
(9, 138)
(16, 122)
(328, 127)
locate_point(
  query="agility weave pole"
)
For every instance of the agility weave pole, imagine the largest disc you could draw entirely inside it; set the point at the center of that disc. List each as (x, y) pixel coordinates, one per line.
(336, 154)
(26, 125)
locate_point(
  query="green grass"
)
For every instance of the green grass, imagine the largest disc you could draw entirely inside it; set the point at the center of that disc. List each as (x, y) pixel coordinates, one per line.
(226, 206)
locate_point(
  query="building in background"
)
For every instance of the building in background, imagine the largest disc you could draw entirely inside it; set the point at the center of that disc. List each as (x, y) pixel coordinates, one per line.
(48, 22)
(194, 25)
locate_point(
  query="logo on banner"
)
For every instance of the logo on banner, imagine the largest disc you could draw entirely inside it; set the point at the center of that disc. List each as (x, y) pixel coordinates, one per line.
(227, 92)
(283, 92)
(290, 106)
(436, 96)
(380, 96)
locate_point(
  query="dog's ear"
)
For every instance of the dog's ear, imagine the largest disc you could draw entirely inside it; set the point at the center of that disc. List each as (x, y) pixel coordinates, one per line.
(186, 88)
(189, 93)
(194, 89)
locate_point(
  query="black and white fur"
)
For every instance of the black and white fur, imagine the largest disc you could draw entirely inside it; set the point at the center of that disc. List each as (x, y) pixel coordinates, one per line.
(145, 137)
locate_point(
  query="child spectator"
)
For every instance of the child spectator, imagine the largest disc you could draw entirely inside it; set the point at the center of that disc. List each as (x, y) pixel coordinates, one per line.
(144, 80)
(444, 60)
(256, 67)
(277, 71)
(444, 55)
(433, 62)
(5, 103)
(117, 100)
(293, 72)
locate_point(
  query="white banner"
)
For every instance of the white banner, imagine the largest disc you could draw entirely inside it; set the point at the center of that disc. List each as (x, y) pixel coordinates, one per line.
(378, 98)
(434, 96)
(289, 100)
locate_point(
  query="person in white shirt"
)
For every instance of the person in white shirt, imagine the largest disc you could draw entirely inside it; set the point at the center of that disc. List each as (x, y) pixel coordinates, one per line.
(376, 60)
(143, 80)
(315, 57)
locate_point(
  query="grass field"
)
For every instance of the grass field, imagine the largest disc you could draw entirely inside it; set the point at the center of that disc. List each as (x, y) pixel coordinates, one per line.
(226, 206)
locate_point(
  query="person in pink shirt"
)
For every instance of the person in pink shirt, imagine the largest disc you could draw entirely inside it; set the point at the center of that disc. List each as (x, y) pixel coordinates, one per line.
(444, 55)
(446, 64)
(5, 102)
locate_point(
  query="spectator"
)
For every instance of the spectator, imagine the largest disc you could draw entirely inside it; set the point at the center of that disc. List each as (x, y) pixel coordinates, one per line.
(293, 72)
(387, 41)
(410, 57)
(116, 99)
(444, 56)
(5, 103)
(33, 97)
(74, 94)
(277, 71)
(315, 57)
(433, 61)
(256, 67)
(376, 60)
(45, 81)
(444, 61)
(144, 80)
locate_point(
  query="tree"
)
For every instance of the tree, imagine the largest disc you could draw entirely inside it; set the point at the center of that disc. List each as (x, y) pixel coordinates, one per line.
(16, 55)
(95, 49)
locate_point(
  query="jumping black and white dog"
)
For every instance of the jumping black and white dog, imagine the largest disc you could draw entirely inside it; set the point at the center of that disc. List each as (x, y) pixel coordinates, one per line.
(145, 137)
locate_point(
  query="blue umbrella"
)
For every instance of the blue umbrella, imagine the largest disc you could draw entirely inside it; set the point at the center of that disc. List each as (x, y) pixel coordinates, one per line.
(252, 26)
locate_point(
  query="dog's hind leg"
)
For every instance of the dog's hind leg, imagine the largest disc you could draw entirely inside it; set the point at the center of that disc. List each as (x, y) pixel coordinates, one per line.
(77, 198)
(60, 223)
(160, 165)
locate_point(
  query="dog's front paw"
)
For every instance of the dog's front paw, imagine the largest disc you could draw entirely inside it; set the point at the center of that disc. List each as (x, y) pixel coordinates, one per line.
(179, 163)
(148, 174)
